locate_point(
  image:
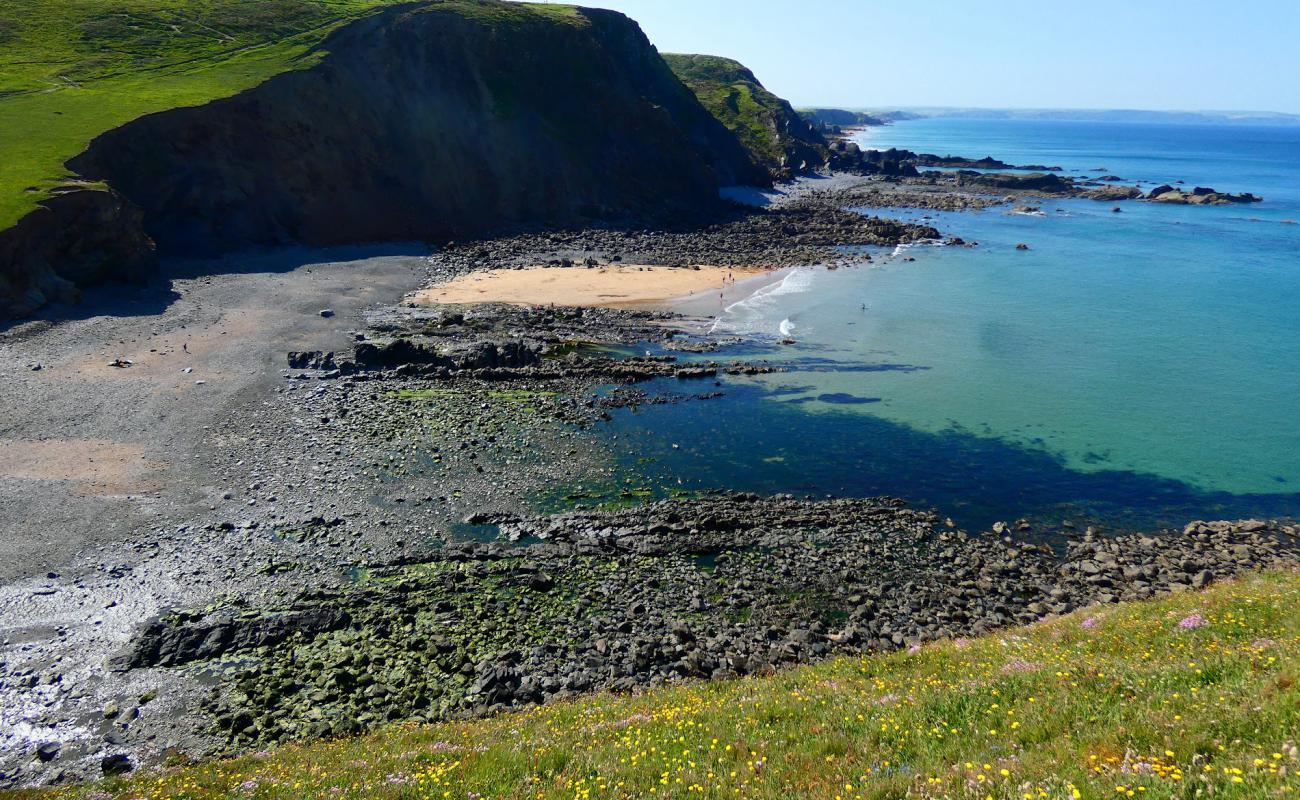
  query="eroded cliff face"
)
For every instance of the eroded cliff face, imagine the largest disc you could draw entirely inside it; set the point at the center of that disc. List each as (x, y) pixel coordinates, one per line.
(78, 238)
(429, 121)
(426, 123)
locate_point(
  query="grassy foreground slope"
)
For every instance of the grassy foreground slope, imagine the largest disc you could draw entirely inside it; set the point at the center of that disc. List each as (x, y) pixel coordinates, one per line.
(73, 69)
(1190, 696)
(766, 125)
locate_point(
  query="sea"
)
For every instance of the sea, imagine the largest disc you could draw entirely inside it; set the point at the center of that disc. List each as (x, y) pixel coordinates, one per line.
(1129, 370)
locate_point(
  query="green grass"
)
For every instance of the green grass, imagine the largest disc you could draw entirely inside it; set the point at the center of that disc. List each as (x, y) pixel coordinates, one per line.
(1189, 696)
(73, 69)
(738, 100)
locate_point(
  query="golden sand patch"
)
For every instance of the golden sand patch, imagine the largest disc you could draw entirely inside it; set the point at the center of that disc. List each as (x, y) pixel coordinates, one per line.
(608, 286)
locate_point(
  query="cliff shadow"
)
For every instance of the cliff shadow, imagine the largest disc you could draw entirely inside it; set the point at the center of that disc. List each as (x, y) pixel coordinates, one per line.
(755, 440)
(165, 286)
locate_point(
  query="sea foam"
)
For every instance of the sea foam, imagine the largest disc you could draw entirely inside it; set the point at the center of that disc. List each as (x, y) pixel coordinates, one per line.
(755, 315)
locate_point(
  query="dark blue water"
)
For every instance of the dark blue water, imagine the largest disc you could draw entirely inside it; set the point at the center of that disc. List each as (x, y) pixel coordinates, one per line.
(1136, 368)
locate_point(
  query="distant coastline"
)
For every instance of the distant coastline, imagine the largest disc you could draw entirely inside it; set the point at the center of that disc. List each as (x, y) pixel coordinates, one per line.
(1137, 116)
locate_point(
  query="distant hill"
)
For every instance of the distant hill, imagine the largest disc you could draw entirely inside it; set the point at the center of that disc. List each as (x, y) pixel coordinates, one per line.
(768, 126)
(838, 117)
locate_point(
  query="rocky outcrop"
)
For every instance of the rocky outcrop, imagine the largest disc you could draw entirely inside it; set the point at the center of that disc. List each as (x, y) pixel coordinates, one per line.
(182, 639)
(1112, 193)
(846, 156)
(1034, 181)
(427, 121)
(77, 238)
(1199, 196)
(988, 162)
(777, 137)
(461, 356)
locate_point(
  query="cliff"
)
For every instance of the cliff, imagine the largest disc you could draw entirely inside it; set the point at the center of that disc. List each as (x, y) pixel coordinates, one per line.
(776, 137)
(78, 238)
(426, 121)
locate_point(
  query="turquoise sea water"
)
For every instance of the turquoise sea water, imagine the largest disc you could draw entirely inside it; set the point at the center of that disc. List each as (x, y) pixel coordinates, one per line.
(1135, 368)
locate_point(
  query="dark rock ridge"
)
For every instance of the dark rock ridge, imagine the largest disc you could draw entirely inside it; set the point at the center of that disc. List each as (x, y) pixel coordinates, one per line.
(777, 137)
(496, 343)
(427, 121)
(1199, 196)
(988, 162)
(847, 156)
(172, 641)
(1037, 181)
(707, 588)
(808, 230)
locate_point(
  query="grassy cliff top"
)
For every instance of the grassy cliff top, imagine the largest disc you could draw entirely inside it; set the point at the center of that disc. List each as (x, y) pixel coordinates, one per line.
(73, 69)
(1194, 695)
(694, 68)
(731, 92)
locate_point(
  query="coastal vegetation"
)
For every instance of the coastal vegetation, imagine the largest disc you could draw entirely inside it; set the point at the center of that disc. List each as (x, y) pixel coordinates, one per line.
(71, 70)
(768, 127)
(1193, 695)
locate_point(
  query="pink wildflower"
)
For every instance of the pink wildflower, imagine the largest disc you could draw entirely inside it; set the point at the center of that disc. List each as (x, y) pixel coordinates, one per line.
(1194, 621)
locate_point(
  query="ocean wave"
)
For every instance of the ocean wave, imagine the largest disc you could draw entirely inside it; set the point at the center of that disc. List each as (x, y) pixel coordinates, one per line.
(753, 315)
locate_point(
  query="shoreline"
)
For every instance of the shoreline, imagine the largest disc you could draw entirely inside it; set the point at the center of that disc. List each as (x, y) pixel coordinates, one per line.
(399, 432)
(605, 286)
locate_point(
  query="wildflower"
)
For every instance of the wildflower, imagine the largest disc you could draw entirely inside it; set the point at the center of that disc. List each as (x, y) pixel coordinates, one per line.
(1194, 621)
(1089, 623)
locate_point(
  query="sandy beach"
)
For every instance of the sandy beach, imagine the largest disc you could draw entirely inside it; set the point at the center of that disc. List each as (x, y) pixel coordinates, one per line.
(609, 286)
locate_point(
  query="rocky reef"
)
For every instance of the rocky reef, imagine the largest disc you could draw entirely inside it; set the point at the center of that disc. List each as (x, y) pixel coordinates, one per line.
(987, 162)
(712, 587)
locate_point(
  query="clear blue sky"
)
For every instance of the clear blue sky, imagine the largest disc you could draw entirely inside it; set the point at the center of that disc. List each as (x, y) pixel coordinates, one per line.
(1148, 54)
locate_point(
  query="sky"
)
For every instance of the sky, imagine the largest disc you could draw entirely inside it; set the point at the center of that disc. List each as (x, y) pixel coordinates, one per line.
(1190, 55)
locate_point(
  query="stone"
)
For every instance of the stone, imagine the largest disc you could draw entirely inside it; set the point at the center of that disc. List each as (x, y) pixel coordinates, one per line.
(49, 751)
(116, 764)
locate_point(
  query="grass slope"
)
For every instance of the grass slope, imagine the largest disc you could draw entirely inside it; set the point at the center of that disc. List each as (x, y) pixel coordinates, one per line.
(1190, 696)
(734, 95)
(73, 69)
